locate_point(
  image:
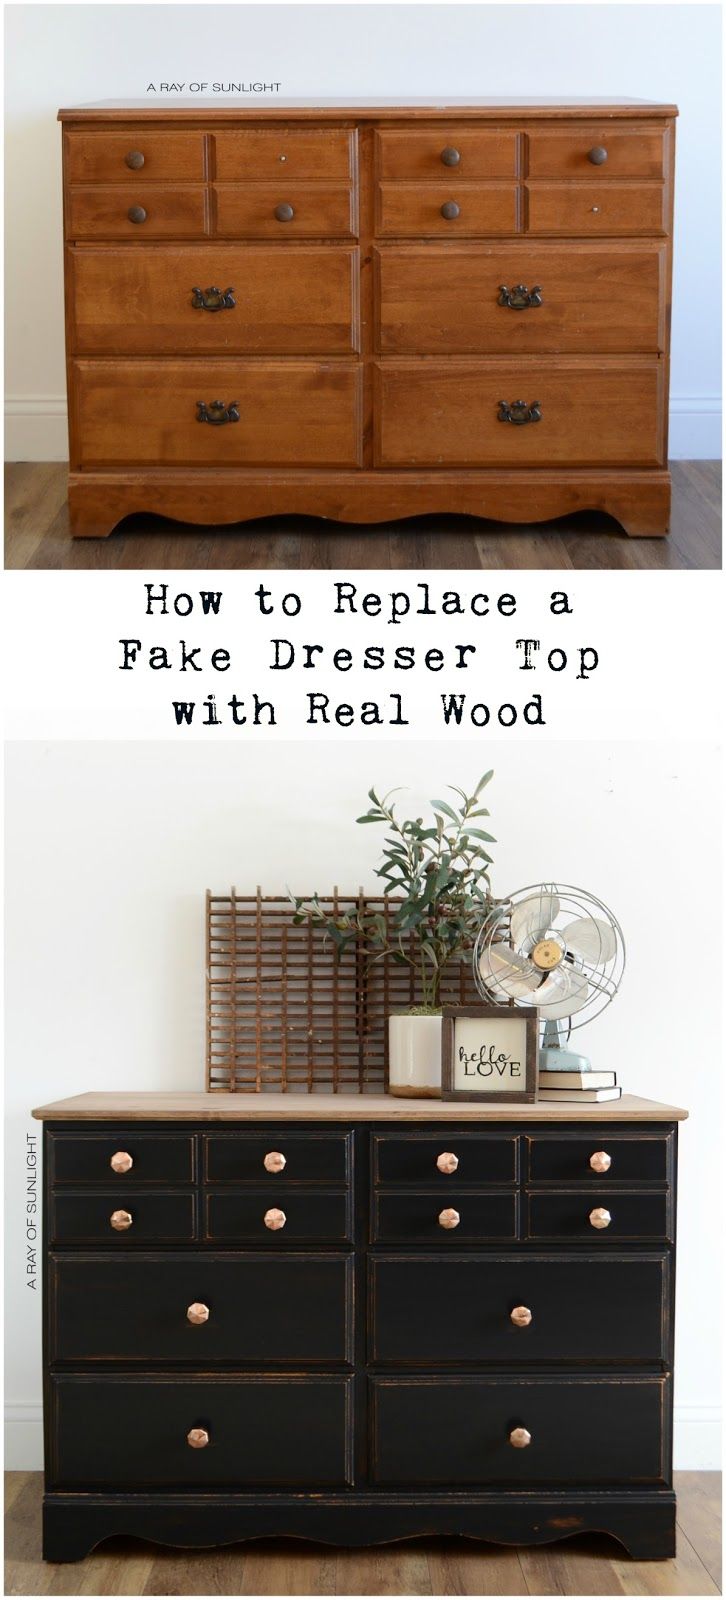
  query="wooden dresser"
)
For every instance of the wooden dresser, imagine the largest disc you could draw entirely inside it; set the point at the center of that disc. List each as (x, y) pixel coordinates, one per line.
(356, 1319)
(366, 312)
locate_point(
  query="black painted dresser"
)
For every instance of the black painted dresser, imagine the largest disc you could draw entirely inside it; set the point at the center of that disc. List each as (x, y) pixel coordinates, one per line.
(357, 1319)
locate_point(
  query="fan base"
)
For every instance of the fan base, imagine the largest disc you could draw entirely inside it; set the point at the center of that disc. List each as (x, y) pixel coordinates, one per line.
(552, 1058)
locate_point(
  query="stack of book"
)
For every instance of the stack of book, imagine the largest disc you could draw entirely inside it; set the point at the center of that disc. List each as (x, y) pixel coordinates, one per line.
(584, 1086)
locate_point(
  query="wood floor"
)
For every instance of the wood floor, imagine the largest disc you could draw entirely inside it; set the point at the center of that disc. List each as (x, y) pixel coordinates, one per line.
(37, 536)
(583, 1566)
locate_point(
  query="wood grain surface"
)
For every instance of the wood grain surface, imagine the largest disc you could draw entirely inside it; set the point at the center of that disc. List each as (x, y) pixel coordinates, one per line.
(135, 1106)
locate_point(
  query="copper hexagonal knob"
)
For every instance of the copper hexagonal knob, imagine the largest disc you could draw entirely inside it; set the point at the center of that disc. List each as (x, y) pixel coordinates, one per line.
(519, 1438)
(600, 1161)
(274, 1161)
(121, 1220)
(198, 1438)
(121, 1161)
(521, 1316)
(274, 1219)
(600, 1218)
(449, 1218)
(197, 1312)
(447, 1161)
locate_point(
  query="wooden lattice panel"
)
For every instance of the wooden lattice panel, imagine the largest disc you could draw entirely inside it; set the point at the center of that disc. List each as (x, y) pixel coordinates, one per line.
(285, 1013)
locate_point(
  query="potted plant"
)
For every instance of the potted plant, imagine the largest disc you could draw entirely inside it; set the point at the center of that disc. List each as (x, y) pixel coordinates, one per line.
(437, 875)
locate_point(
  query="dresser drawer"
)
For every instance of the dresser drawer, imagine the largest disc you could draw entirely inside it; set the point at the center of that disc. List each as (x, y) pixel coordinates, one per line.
(271, 1159)
(592, 210)
(565, 152)
(290, 413)
(432, 153)
(568, 1216)
(126, 1157)
(457, 1430)
(129, 154)
(283, 153)
(430, 1218)
(591, 413)
(566, 1158)
(414, 210)
(166, 301)
(479, 1159)
(159, 213)
(324, 1218)
(261, 1430)
(504, 299)
(323, 211)
(155, 1218)
(429, 1309)
(134, 1308)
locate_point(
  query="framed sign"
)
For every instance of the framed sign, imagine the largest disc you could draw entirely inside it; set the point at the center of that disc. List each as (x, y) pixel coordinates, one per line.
(489, 1053)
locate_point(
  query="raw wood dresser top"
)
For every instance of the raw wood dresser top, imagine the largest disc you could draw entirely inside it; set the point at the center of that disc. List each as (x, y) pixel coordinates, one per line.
(318, 110)
(150, 1106)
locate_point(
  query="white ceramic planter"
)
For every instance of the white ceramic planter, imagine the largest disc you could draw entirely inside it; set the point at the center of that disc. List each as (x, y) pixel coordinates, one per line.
(414, 1055)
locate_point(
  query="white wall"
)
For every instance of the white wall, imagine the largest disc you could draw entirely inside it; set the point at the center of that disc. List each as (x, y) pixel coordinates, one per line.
(110, 850)
(69, 55)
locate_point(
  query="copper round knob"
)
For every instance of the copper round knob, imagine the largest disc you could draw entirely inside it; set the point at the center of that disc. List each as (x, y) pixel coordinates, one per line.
(136, 214)
(450, 210)
(274, 1161)
(121, 1220)
(197, 1313)
(449, 1218)
(597, 155)
(275, 1219)
(519, 1438)
(600, 1161)
(121, 1161)
(600, 1218)
(284, 213)
(198, 1438)
(521, 1316)
(450, 156)
(134, 160)
(447, 1161)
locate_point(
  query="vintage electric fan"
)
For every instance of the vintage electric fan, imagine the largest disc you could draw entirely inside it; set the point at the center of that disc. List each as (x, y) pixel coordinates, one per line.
(559, 949)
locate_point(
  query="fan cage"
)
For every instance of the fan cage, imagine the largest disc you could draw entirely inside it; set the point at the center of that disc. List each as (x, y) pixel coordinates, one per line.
(604, 978)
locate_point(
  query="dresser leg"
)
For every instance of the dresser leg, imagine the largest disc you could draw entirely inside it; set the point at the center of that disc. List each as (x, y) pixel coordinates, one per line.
(645, 510)
(89, 519)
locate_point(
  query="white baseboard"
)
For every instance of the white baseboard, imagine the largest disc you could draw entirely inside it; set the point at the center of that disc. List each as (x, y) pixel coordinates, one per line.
(697, 1439)
(36, 428)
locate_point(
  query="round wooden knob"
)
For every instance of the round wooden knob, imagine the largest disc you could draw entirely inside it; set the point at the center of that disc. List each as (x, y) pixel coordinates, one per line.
(597, 155)
(197, 1313)
(275, 1219)
(450, 210)
(136, 214)
(284, 213)
(121, 1161)
(198, 1438)
(450, 156)
(274, 1161)
(134, 160)
(447, 1161)
(521, 1316)
(121, 1220)
(449, 1218)
(600, 1218)
(600, 1161)
(519, 1438)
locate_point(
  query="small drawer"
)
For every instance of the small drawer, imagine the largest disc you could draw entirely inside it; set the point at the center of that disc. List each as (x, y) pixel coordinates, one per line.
(285, 211)
(134, 153)
(442, 152)
(407, 210)
(466, 1158)
(248, 1431)
(432, 1218)
(579, 1430)
(136, 1308)
(430, 1309)
(595, 152)
(278, 1217)
(284, 154)
(139, 213)
(602, 1157)
(276, 1158)
(155, 1218)
(599, 1214)
(591, 210)
(125, 1157)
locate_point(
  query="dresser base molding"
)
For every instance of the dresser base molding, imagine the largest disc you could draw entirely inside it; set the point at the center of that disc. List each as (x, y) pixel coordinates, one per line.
(638, 500)
(73, 1525)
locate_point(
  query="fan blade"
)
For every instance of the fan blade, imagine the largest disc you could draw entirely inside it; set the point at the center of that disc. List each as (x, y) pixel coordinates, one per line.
(592, 939)
(532, 918)
(507, 974)
(562, 994)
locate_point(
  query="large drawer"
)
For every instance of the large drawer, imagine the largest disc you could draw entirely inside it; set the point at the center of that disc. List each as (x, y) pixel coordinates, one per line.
(124, 154)
(571, 1158)
(129, 1157)
(592, 413)
(500, 299)
(155, 1218)
(277, 1157)
(457, 1430)
(276, 1217)
(593, 210)
(133, 1431)
(565, 152)
(414, 210)
(285, 211)
(284, 153)
(578, 1216)
(290, 413)
(444, 151)
(139, 213)
(430, 1309)
(430, 1218)
(221, 299)
(277, 1308)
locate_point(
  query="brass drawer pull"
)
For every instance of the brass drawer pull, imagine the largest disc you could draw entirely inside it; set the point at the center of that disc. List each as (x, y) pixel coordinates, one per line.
(519, 1438)
(450, 210)
(520, 298)
(519, 412)
(284, 213)
(134, 160)
(600, 1161)
(136, 214)
(598, 155)
(600, 1218)
(121, 1161)
(521, 1316)
(121, 1220)
(197, 1313)
(449, 1218)
(213, 299)
(447, 1161)
(198, 1438)
(450, 156)
(216, 413)
(274, 1219)
(274, 1161)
